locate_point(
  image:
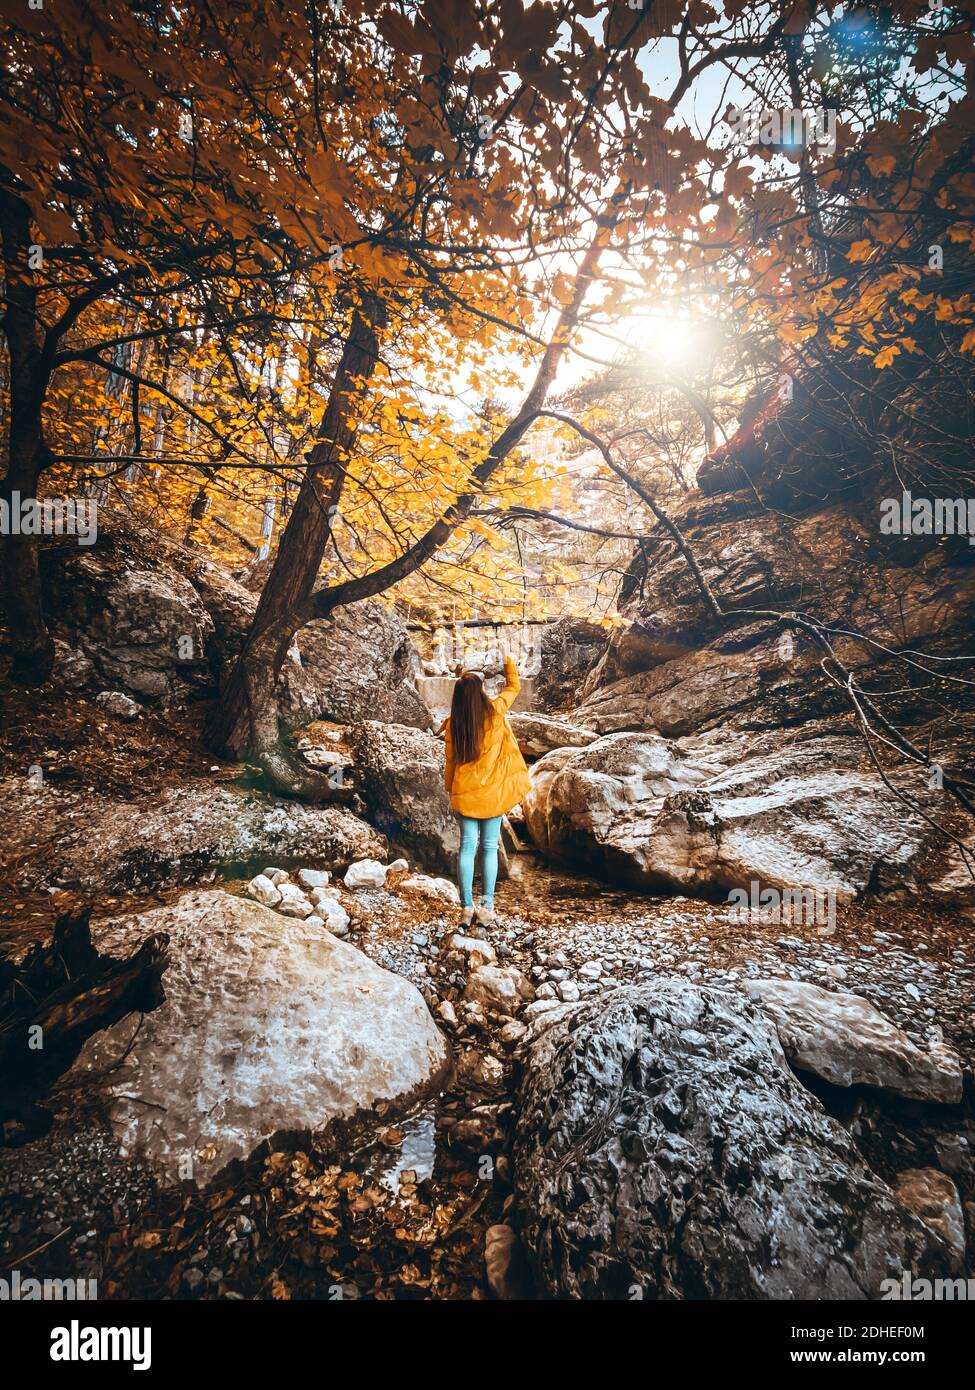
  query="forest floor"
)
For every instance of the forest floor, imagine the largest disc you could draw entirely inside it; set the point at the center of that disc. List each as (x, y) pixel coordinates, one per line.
(398, 1208)
(79, 747)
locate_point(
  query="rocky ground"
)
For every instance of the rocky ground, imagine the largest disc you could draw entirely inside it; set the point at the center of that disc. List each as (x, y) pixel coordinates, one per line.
(633, 1071)
(406, 1206)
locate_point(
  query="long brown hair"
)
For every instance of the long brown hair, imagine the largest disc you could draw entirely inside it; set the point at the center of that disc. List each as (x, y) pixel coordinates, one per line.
(469, 708)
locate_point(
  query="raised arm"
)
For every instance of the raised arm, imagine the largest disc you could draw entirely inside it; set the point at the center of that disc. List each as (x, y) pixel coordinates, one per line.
(512, 684)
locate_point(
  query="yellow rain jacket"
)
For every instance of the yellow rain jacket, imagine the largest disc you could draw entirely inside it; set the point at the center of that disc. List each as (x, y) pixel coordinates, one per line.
(497, 779)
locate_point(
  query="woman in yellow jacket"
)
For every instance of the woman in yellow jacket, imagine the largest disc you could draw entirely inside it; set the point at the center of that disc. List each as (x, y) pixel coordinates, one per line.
(485, 777)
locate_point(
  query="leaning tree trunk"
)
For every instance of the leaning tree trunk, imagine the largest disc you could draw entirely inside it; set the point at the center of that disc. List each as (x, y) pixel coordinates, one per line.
(245, 721)
(30, 641)
(248, 710)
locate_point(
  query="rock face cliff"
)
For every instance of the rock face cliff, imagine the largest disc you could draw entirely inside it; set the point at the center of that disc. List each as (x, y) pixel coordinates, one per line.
(152, 620)
(742, 758)
(672, 668)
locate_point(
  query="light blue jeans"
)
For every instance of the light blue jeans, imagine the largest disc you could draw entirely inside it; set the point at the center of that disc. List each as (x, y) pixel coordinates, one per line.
(470, 831)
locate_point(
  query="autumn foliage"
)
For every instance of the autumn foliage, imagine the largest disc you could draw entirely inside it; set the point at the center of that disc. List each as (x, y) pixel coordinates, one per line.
(198, 201)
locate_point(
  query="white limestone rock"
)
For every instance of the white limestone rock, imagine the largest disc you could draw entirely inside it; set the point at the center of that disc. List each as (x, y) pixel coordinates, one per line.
(848, 1042)
(478, 951)
(501, 988)
(441, 888)
(335, 915)
(365, 873)
(268, 1026)
(293, 902)
(263, 890)
(122, 706)
(313, 878)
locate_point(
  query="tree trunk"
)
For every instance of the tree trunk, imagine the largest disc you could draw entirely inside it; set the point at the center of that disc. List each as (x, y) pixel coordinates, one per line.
(290, 600)
(245, 721)
(30, 641)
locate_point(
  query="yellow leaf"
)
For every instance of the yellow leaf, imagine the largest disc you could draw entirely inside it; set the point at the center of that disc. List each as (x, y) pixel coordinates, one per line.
(860, 250)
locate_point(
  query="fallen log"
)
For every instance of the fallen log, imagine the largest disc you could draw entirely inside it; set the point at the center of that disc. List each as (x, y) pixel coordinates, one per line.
(52, 1002)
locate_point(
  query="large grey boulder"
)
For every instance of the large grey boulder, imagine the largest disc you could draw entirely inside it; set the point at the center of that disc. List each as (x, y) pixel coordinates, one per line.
(400, 773)
(359, 665)
(785, 811)
(694, 691)
(186, 834)
(538, 734)
(720, 810)
(848, 1042)
(142, 626)
(269, 1025)
(594, 806)
(665, 1150)
(569, 650)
